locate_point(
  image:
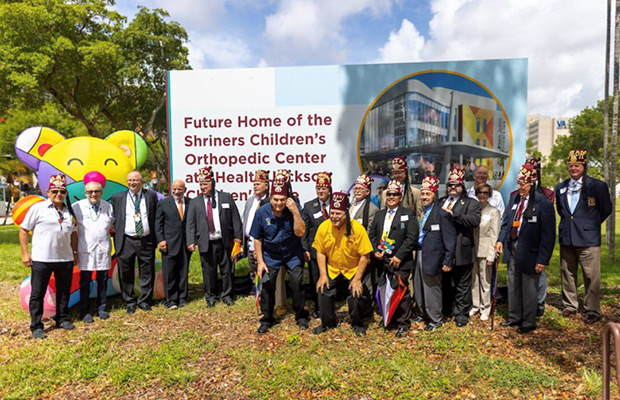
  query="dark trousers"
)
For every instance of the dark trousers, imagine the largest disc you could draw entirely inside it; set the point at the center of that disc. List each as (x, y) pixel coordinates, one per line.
(314, 275)
(457, 291)
(428, 293)
(402, 315)
(174, 270)
(359, 307)
(41, 273)
(268, 293)
(522, 292)
(143, 250)
(217, 254)
(102, 288)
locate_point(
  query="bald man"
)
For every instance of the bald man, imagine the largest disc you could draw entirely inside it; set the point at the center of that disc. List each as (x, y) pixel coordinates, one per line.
(170, 232)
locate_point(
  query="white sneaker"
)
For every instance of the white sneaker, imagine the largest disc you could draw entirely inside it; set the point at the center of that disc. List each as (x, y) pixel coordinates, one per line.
(484, 317)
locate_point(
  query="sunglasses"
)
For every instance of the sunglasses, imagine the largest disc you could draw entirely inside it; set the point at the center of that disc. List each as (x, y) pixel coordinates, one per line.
(93, 191)
(58, 191)
(485, 192)
(392, 194)
(453, 185)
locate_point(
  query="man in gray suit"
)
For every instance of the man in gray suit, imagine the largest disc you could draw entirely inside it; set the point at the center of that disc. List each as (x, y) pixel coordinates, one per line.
(362, 208)
(213, 223)
(260, 185)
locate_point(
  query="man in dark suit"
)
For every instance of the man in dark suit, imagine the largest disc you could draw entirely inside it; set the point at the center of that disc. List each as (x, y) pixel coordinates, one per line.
(583, 204)
(435, 255)
(362, 209)
(260, 186)
(314, 213)
(170, 224)
(466, 214)
(134, 237)
(528, 237)
(400, 225)
(213, 224)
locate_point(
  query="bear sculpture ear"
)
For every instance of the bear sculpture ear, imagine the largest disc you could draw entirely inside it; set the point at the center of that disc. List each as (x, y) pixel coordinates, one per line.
(132, 144)
(33, 143)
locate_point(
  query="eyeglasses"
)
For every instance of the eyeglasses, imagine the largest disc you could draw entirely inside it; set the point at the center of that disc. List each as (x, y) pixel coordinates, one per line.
(89, 192)
(485, 192)
(392, 194)
(58, 191)
(453, 185)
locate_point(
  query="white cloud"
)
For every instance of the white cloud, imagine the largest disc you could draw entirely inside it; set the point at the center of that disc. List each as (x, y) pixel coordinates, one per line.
(563, 40)
(192, 14)
(216, 51)
(404, 45)
(310, 31)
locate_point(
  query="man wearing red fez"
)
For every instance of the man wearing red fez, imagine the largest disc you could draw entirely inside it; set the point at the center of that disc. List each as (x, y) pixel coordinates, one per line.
(583, 204)
(260, 188)
(528, 236)
(213, 226)
(54, 250)
(343, 249)
(411, 195)
(314, 213)
(362, 209)
(435, 246)
(466, 213)
(277, 229)
(400, 225)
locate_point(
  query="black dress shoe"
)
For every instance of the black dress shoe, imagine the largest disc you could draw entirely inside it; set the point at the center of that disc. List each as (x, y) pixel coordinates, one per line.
(144, 307)
(88, 319)
(359, 330)
(567, 312)
(66, 325)
(418, 319)
(401, 332)
(131, 309)
(228, 302)
(540, 312)
(182, 303)
(461, 323)
(38, 333)
(523, 329)
(319, 329)
(104, 315)
(263, 328)
(590, 319)
(211, 303)
(507, 323)
(316, 315)
(431, 327)
(303, 323)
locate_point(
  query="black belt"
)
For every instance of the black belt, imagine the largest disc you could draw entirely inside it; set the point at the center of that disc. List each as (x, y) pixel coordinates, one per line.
(136, 237)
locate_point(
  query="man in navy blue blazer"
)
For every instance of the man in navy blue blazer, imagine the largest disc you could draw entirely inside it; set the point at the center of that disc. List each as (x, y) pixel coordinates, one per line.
(583, 203)
(436, 246)
(528, 237)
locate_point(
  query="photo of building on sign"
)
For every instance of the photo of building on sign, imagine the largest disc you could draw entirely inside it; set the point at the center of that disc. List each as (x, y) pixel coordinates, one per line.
(437, 120)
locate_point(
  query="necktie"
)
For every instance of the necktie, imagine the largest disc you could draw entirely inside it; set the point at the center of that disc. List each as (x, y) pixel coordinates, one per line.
(573, 197)
(96, 208)
(138, 216)
(450, 204)
(324, 211)
(388, 224)
(210, 216)
(514, 232)
(181, 209)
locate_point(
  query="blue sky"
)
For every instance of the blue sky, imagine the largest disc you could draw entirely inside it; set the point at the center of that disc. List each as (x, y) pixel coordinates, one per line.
(564, 40)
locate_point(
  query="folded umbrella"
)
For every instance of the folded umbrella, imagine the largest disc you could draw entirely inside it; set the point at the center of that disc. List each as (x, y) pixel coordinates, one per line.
(390, 292)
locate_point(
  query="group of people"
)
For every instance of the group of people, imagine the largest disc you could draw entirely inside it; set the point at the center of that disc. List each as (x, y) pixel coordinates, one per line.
(441, 250)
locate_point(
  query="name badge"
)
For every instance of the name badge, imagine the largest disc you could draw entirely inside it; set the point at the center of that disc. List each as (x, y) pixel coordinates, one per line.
(563, 190)
(360, 220)
(434, 227)
(137, 218)
(225, 205)
(533, 220)
(404, 218)
(591, 202)
(514, 207)
(317, 215)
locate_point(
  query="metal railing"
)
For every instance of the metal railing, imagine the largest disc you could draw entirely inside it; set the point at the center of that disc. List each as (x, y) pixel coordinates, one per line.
(611, 328)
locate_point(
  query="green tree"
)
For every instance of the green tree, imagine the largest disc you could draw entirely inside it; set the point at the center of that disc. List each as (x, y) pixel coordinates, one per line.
(85, 58)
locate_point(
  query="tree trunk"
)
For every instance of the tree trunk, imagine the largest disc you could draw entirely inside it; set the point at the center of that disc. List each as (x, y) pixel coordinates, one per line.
(614, 138)
(606, 115)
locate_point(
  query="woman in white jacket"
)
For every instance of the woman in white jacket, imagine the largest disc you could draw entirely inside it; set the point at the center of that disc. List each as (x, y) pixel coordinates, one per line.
(485, 237)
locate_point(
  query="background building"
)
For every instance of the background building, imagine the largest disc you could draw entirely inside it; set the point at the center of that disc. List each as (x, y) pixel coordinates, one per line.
(543, 131)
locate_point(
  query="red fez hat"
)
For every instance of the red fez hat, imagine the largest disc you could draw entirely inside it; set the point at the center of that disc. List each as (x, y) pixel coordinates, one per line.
(339, 201)
(577, 156)
(205, 174)
(261, 175)
(58, 182)
(324, 179)
(399, 164)
(456, 175)
(394, 186)
(430, 183)
(363, 180)
(526, 174)
(279, 187)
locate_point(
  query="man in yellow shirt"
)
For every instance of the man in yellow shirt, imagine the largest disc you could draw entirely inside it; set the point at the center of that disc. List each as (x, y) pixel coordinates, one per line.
(343, 250)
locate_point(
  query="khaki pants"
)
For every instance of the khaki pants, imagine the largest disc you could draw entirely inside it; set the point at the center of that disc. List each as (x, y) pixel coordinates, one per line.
(590, 260)
(481, 288)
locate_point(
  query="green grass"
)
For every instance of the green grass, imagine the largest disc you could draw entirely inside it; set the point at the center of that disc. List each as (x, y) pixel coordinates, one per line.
(197, 352)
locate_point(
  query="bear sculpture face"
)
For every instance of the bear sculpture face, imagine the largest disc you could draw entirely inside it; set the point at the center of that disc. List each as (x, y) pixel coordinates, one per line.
(48, 153)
